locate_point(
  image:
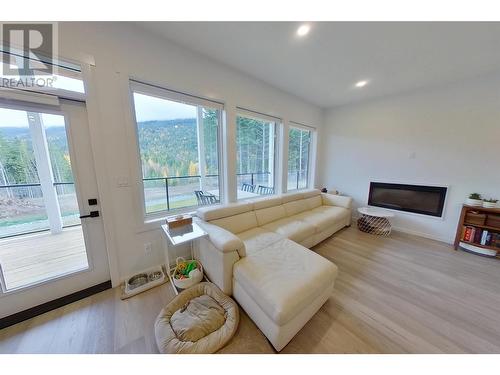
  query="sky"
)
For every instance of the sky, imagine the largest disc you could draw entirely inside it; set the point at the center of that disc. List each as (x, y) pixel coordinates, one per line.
(149, 108)
(11, 118)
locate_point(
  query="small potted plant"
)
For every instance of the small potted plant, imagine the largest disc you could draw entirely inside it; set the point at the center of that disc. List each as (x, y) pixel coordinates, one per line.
(490, 203)
(474, 200)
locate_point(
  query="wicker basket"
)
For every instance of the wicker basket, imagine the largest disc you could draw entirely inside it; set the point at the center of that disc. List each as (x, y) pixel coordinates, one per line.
(475, 218)
(190, 281)
(493, 221)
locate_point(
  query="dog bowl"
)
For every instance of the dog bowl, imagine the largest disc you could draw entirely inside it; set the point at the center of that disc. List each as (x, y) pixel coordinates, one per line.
(154, 275)
(137, 280)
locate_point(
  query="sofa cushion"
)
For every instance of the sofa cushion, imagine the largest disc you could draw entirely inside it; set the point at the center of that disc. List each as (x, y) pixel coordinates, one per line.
(284, 278)
(295, 207)
(267, 215)
(338, 212)
(266, 202)
(295, 230)
(257, 239)
(218, 212)
(237, 223)
(310, 193)
(320, 220)
(289, 197)
(336, 200)
(313, 202)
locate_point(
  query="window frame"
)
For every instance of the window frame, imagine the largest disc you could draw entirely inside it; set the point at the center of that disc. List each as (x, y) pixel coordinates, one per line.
(311, 156)
(277, 165)
(63, 68)
(176, 96)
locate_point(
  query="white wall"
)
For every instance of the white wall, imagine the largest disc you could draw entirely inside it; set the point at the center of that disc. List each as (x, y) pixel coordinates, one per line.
(124, 50)
(448, 136)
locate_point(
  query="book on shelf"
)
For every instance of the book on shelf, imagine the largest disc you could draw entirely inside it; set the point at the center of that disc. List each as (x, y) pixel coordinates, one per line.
(468, 234)
(495, 240)
(484, 237)
(489, 239)
(478, 235)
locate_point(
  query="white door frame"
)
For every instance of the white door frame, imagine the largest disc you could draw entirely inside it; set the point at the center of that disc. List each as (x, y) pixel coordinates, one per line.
(98, 149)
(28, 296)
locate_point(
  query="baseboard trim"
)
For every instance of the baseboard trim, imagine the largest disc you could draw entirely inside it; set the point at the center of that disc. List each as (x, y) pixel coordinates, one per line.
(52, 305)
(424, 235)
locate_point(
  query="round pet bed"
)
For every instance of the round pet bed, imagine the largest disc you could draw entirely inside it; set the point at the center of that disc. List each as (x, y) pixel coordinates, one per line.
(201, 319)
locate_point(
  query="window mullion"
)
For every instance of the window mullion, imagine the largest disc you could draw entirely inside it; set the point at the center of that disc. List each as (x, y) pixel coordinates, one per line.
(201, 147)
(41, 151)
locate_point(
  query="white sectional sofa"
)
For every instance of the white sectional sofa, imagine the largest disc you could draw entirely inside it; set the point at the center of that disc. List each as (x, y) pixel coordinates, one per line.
(258, 252)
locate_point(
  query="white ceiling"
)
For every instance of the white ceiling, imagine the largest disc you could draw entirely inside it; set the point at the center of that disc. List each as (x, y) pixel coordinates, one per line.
(323, 66)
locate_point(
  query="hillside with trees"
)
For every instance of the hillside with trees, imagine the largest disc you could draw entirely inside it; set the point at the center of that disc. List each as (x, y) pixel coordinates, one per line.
(17, 159)
(169, 148)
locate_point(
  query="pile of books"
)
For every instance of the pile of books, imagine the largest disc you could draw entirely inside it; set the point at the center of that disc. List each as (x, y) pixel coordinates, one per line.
(481, 236)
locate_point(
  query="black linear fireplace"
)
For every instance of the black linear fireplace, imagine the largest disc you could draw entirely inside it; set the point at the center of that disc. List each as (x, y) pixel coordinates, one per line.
(425, 200)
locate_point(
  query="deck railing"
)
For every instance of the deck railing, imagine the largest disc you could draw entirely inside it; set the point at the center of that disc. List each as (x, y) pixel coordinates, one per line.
(168, 182)
(28, 193)
(296, 180)
(23, 210)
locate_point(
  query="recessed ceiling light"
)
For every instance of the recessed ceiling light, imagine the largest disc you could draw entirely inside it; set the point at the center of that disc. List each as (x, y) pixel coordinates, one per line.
(303, 30)
(361, 83)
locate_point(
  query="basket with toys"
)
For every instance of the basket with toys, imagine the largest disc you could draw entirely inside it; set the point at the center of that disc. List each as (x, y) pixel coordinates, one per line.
(187, 273)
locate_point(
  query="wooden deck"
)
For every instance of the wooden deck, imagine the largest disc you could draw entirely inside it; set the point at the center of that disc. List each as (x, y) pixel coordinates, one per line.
(37, 257)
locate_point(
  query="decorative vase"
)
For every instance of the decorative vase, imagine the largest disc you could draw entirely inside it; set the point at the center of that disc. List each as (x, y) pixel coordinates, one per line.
(489, 204)
(474, 202)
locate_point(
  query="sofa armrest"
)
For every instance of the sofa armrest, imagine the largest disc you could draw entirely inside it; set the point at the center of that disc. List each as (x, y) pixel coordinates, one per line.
(336, 200)
(217, 265)
(222, 239)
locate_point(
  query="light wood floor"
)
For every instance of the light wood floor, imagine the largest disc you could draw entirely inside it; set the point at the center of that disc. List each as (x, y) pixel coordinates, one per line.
(401, 294)
(36, 257)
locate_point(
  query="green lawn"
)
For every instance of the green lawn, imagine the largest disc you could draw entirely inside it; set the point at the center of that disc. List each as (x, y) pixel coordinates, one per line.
(21, 220)
(188, 202)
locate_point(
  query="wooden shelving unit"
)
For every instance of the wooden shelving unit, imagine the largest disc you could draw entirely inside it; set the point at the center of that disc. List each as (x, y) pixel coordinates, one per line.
(463, 222)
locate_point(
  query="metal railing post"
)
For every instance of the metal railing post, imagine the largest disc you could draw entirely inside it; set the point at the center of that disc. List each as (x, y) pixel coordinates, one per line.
(166, 190)
(298, 173)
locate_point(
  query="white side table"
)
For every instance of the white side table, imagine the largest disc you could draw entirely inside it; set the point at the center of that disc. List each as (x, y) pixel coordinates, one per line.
(179, 236)
(374, 221)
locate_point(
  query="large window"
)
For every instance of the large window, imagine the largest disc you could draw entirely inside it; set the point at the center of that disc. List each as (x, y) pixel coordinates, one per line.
(255, 156)
(178, 140)
(299, 149)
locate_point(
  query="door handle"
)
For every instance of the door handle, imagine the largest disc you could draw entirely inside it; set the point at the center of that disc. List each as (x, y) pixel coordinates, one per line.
(92, 214)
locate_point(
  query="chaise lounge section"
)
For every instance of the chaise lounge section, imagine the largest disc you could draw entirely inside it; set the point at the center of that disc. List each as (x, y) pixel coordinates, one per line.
(258, 252)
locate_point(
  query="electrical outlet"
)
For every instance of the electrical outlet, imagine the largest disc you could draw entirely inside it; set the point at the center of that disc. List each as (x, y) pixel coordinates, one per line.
(148, 248)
